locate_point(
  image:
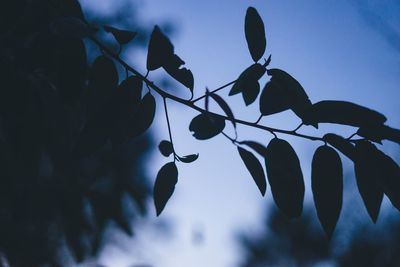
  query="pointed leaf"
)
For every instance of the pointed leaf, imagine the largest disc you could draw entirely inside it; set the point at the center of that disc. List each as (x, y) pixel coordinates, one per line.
(164, 186)
(341, 144)
(255, 169)
(122, 36)
(255, 34)
(225, 107)
(285, 177)
(165, 148)
(377, 133)
(206, 126)
(183, 75)
(327, 187)
(367, 174)
(342, 112)
(257, 147)
(143, 117)
(189, 158)
(160, 49)
(274, 99)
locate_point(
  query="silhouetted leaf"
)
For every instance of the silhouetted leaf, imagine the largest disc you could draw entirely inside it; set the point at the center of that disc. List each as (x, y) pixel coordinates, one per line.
(164, 186)
(341, 112)
(255, 169)
(247, 83)
(221, 102)
(206, 126)
(274, 99)
(285, 177)
(341, 144)
(260, 149)
(377, 133)
(144, 116)
(71, 27)
(160, 49)
(327, 186)
(255, 34)
(294, 93)
(207, 100)
(189, 158)
(122, 36)
(367, 175)
(183, 75)
(165, 148)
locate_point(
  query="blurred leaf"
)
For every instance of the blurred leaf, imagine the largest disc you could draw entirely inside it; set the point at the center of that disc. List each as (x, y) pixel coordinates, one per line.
(189, 158)
(285, 177)
(71, 27)
(367, 175)
(327, 187)
(247, 83)
(143, 117)
(255, 34)
(122, 36)
(260, 149)
(274, 99)
(377, 133)
(255, 169)
(225, 107)
(165, 148)
(341, 112)
(206, 126)
(164, 186)
(341, 144)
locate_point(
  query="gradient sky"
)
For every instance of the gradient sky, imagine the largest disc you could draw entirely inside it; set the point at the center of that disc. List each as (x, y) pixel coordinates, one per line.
(342, 50)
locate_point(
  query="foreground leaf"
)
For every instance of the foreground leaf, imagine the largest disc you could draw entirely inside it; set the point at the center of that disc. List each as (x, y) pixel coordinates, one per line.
(225, 107)
(206, 126)
(341, 144)
(166, 148)
(160, 49)
(327, 187)
(255, 34)
(189, 158)
(255, 169)
(164, 186)
(122, 36)
(377, 133)
(274, 99)
(257, 147)
(285, 177)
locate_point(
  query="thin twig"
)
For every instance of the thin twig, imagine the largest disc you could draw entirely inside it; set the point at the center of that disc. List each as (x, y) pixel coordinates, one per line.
(214, 91)
(169, 126)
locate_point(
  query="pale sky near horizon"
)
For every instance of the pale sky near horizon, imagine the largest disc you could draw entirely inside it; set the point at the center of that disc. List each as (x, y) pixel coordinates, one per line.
(337, 49)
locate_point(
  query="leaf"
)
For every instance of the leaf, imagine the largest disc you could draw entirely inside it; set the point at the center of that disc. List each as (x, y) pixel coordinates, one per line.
(224, 106)
(166, 148)
(342, 112)
(164, 186)
(247, 83)
(71, 27)
(207, 100)
(294, 92)
(160, 49)
(260, 149)
(255, 34)
(255, 169)
(341, 144)
(183, 75)
(143, 117)
(206, 126)
(377, 133)
(367, 175)
(189, 158)
(122, 36)
(285, 177)
(327, 187)
(274, 99)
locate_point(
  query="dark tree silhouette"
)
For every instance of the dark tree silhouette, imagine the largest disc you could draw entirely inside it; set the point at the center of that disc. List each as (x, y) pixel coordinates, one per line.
(67, 131)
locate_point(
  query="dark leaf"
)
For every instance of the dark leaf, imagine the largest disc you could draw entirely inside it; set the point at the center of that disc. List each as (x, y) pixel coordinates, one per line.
(143, 117)
(160, 49)
(130, 93)
(122, 36)
(342, 112)
(377, 133)
(183, 75)
(327, 187)
(260, 149)
(206, 126)
(367, 175)
(207, 100)
(166, 148)
(295, 93)
(164, 186)
(255, 169)
(189, 158)
(247, 83)
(341, 144)
(221, 102)
(255, 34)
(71, 27)
(285, 177)
(274, 99)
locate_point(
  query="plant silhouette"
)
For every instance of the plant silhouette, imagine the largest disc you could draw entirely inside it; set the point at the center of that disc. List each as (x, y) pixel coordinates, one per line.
(67, 131)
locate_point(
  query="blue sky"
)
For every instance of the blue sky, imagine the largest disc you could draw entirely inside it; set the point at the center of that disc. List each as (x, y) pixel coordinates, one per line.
(343, 50)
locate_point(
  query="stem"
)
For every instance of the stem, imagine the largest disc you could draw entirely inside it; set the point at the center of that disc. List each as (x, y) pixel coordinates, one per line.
(230, 138)
(169, 125)
(191, 104)
(214, 91)
(258, 120)
(298, 127)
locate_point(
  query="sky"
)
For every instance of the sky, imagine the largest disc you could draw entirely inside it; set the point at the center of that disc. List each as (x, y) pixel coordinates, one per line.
(337, 49)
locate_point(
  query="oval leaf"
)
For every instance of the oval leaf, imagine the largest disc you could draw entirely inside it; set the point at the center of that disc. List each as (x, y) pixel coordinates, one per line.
(160, 49)
(165, 148)
(274, 99)
(285, 177)
(255, 169)
(189, 158)
(377, 133)
(164, 186)
(341, 144)
(255, 34)
(225, 107)
(206, 126)
(122, 36)
(257, 147)
(327, 187)
(143, 117)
